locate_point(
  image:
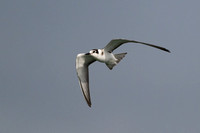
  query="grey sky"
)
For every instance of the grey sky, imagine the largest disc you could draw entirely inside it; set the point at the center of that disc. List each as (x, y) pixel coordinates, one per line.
(149, 91)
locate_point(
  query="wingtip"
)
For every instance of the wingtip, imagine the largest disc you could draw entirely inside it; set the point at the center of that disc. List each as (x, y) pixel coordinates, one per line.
(88, 101)
(89, 104)
(167, 50)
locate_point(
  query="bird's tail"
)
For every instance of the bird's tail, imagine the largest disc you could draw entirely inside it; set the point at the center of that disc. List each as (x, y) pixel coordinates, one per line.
(119, 57)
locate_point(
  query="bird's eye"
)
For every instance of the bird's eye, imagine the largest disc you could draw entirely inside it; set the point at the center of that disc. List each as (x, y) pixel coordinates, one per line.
(93, 51)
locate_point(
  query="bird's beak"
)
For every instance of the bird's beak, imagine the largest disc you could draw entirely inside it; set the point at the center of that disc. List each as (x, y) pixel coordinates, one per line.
(87, 54)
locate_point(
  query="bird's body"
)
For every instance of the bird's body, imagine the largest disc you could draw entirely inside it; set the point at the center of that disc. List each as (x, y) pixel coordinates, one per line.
(104, 55)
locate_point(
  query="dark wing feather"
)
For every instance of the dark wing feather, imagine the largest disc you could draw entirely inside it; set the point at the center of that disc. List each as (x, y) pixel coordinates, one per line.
(115, 43)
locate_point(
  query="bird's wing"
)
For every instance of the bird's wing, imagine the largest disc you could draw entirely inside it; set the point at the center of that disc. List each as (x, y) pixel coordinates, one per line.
(82, 63)
(115, 43)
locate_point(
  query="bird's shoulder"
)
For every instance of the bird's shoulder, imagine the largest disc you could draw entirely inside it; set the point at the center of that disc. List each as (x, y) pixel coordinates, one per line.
(82, 59)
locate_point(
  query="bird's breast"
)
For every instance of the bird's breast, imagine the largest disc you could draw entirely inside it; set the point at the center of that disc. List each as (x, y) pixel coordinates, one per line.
(101, 58)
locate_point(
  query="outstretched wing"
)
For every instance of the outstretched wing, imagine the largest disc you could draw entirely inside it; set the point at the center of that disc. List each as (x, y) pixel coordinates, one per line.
(115, 43)
(82, 63)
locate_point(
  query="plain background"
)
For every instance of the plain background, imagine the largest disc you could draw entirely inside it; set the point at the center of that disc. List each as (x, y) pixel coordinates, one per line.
(149, 91)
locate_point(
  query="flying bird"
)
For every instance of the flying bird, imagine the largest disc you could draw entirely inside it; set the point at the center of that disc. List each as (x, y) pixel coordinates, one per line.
(105, 55)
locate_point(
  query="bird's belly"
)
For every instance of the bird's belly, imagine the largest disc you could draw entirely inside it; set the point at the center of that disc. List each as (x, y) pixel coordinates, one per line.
(110, 59)
(107, 58)
(101, 60)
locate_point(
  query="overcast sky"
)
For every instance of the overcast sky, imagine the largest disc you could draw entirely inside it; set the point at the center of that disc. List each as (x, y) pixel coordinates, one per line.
(149, 91)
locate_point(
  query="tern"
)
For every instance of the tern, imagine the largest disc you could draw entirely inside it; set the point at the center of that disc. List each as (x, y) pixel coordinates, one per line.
(105, 55)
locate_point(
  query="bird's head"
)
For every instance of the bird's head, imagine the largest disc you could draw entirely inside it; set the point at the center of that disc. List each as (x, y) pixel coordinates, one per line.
(93, 52)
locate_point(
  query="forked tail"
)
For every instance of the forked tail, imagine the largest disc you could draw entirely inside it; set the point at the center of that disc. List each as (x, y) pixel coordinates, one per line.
(119, 57)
